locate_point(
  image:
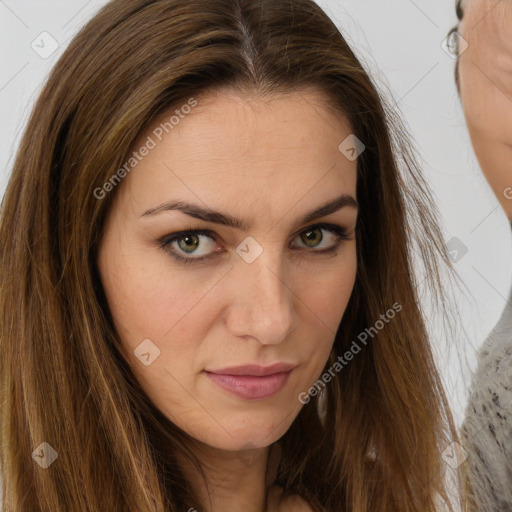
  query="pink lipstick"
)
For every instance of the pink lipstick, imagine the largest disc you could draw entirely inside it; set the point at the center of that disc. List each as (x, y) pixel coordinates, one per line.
(252, 381)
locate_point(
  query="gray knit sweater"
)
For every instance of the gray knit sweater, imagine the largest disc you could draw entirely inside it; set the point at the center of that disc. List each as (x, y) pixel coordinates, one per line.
(487, 428)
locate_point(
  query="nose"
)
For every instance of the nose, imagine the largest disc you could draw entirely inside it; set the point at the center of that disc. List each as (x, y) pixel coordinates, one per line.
(262, 303)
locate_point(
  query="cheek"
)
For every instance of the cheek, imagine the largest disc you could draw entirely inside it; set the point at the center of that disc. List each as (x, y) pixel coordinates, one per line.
(324, 297)
(472, 96)
(158, 307)
(488, 114)
(328, 298)
(486, 101)
(161, 321)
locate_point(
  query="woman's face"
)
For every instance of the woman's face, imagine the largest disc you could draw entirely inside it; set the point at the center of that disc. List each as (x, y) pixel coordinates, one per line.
(263, 284)
(485, 70)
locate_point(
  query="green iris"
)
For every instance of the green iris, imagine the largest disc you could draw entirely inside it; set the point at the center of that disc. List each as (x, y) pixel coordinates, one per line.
(191, 241)
(307, 237)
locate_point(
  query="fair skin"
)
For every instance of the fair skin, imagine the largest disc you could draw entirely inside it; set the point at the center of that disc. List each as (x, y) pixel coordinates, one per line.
(485, 71)
(267, 162)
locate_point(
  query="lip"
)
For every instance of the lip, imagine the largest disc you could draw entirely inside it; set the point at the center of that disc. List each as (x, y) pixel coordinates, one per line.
(254, 370)
(252, 381)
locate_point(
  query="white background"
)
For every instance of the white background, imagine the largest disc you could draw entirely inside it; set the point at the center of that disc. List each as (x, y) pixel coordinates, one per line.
(399, 42)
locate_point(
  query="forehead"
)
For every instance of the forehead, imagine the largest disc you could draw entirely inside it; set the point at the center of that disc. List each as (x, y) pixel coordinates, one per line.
(273, 150)
(242, 113)
(227, 130)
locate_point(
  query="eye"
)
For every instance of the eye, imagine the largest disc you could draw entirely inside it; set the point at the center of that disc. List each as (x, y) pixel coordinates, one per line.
(313, 237)
(183, 246)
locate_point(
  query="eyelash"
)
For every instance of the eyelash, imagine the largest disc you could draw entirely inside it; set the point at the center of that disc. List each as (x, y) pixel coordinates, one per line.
(341, 235)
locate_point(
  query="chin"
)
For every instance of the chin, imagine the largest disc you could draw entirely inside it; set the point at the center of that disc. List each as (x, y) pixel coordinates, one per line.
(247, 431)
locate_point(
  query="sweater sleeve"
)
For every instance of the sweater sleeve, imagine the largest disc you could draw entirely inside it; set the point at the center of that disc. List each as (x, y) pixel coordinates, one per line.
(487, 429)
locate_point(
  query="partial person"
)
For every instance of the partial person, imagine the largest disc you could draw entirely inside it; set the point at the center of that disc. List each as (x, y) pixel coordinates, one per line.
(483, 40)
(208, 233)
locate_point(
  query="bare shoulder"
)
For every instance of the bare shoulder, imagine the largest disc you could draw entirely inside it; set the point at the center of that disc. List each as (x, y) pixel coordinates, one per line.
(293, 503)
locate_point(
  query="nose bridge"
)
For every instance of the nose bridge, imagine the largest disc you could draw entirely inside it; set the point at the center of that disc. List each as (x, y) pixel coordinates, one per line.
(264, 303)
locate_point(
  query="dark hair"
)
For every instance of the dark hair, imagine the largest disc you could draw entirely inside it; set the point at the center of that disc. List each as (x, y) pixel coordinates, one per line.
(64, 380)
(453, 41)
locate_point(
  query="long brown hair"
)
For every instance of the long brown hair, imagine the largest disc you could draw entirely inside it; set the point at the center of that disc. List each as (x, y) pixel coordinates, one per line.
(64, 382)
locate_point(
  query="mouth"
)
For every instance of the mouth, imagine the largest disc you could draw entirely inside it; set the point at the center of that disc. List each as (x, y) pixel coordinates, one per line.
(252, 381)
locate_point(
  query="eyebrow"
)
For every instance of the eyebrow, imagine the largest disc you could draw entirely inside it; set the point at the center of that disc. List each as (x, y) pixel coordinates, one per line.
(208, 215)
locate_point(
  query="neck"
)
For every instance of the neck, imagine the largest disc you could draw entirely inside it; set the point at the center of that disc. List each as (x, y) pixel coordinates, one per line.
(235, 480)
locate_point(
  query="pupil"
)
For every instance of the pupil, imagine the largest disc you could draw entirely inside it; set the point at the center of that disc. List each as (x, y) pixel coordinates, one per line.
(191, 242)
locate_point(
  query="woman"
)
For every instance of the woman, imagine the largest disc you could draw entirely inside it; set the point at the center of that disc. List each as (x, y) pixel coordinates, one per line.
(483, 78)
(208, 232)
